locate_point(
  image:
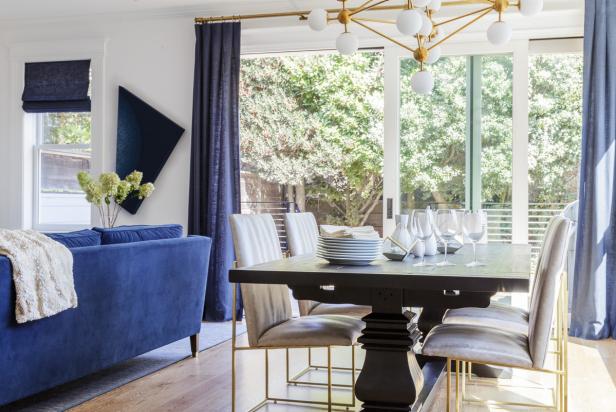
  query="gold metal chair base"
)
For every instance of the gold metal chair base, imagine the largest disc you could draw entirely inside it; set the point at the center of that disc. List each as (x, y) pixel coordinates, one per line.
(560, 389)
(295, 379)
(331, 406)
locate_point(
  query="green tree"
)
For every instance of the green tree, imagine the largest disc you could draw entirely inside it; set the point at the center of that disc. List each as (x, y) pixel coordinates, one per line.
(67, 128)
(433, 135)
(316, 121)
(555, 124)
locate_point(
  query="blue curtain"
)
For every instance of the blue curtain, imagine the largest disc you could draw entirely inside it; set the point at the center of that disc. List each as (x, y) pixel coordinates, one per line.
(594, 291)
(215, 159)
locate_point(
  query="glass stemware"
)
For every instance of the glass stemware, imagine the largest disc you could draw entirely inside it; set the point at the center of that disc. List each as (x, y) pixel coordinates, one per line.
(445, 227)
(421, 228)
(475, 226)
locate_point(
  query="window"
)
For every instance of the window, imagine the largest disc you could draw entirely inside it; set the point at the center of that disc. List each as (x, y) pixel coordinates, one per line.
(56, 99)
(433, 137)
(62, 149)
(555, 136)
(456, 148)
(456, 144)
(312, 135)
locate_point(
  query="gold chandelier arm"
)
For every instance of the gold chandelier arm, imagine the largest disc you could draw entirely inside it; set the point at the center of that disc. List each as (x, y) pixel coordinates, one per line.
(466, 2)
(459, 29)
(365, 26)
(386, 21)
(369, 7)
(462, 16)
(364, 4)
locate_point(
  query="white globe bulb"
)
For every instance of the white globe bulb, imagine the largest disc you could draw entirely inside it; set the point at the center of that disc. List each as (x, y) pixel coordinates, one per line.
(409, 22)
(531, 8)
(433, 55)
(499, 33)
(421, 3)
(317, 19)
(435, 5)
(426, 25)
(422, 82)
(347, 44)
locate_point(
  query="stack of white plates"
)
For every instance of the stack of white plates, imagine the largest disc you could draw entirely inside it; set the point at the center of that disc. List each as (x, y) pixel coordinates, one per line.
(346, 251)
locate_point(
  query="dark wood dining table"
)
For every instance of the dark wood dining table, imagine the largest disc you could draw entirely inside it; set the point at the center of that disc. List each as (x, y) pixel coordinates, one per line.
(393, 377)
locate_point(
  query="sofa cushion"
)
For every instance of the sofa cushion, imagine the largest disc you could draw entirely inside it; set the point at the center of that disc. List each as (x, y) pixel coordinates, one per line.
(139, 233)
(80, 238)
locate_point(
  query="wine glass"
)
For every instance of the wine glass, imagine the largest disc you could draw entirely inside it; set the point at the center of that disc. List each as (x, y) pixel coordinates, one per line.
(445, 227)
(475, 226)
(421, 228)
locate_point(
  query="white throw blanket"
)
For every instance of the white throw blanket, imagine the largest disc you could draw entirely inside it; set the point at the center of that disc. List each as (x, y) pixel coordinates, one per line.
(360, 232)
(42, 272)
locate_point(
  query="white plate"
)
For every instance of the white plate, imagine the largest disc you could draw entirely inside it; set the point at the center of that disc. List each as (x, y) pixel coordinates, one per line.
(374, 253)
(349, 240)
(348, 256)
(349, 249)
(349, 262)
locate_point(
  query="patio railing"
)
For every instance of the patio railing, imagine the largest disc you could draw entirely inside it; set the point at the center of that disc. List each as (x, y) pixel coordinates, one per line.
(499, 219)
(277, 209)
(539, 214)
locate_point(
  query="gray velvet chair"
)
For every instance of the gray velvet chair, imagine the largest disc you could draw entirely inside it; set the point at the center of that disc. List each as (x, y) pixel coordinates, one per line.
(267, 309)
(500, 315)
(302, 237)
(478, 344)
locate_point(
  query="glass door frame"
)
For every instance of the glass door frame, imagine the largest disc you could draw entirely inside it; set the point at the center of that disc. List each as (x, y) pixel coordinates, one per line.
(391, 168)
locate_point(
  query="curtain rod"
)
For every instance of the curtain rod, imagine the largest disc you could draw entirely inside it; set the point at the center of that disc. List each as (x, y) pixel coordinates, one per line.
(303, 15)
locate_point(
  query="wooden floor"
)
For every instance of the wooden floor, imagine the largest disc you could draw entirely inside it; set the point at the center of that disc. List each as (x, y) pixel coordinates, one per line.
(204, 384)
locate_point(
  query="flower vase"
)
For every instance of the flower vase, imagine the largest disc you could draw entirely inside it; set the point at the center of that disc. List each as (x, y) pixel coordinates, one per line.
(402, 234)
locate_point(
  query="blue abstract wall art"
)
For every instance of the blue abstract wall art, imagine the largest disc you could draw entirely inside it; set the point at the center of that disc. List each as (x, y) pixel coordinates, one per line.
(145, 140)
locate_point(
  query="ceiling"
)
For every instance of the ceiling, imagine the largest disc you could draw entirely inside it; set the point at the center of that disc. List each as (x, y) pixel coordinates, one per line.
(15, 10)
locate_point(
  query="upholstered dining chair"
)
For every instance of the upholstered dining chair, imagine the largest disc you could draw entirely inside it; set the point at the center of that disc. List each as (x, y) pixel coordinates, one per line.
(267, 309)
(302, 236)
(486, 345)
(500, 315)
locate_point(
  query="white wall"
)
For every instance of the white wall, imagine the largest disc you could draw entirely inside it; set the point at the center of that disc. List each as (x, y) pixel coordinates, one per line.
(153, 56)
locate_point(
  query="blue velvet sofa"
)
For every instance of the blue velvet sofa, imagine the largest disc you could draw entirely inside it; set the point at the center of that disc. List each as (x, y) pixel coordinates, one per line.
(133, 298)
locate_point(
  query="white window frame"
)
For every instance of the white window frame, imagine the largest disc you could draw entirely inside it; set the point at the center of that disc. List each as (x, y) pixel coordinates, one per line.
(391, 188)
(20, 198)
(520, 51)
(38, 148)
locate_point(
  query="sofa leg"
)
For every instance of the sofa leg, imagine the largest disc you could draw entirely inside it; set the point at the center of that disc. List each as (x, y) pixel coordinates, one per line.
(194, 345)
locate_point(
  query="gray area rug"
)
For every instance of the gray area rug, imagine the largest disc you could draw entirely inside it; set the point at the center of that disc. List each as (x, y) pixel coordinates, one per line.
(74, 393)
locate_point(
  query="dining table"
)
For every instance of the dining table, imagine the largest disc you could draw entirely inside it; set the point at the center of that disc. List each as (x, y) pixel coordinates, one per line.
(395, 376)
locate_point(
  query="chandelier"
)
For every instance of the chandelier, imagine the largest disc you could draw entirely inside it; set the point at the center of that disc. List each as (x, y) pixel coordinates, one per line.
(416, 19)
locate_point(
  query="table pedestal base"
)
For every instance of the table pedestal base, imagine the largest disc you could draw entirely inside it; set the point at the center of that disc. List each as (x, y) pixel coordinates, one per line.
(391, 377)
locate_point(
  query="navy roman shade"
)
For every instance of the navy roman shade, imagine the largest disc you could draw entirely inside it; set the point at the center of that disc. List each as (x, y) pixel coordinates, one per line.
(52, 87)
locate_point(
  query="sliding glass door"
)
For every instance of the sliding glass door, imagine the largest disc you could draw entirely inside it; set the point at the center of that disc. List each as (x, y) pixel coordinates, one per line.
(555, 132)
(433, 132)
(311, 127)
(500, 132)
(347, 139)
(456, 144)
